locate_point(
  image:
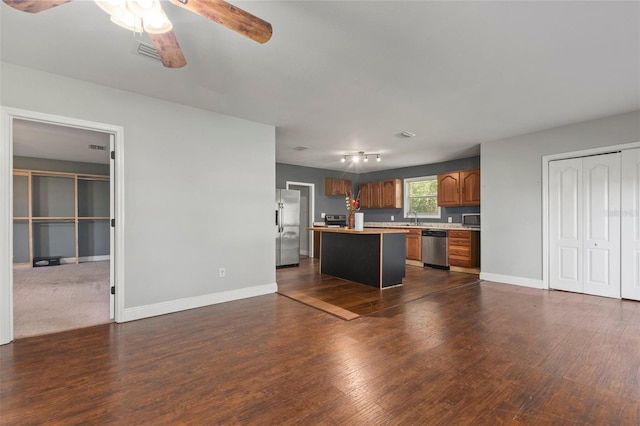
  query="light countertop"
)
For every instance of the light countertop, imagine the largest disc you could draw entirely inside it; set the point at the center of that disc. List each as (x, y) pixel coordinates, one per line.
(409, 225)
(365, 231)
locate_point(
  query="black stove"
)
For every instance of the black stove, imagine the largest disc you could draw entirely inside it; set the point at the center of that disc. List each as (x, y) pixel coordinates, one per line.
(335, 220)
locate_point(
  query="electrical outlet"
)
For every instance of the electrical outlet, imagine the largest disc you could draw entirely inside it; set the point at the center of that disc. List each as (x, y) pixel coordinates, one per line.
(450, 219)
(323, 215)
(392, 218)
(222, 272)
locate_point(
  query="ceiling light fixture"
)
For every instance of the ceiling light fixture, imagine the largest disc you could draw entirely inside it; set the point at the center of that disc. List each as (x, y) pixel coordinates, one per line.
(137, 15)
(360, 155)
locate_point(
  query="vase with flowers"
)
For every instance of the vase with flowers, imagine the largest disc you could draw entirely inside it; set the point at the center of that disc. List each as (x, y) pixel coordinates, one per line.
(353, 205)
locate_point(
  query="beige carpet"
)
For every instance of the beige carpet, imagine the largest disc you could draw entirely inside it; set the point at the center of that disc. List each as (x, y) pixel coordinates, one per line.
(57, 298)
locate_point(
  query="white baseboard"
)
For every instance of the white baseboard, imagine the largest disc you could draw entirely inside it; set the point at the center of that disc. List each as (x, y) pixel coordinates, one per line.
(94, 258)
(508, 279)
(85, 259)
(172, 306)
(304, 252)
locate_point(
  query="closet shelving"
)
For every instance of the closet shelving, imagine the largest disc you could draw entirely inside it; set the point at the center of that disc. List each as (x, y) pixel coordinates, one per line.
(60, 214)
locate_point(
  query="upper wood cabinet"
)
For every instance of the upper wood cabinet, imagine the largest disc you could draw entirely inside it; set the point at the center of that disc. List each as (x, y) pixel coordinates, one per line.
(461, 188)
(384, 194)
(369, 195)
(392, 194)
(337, 186)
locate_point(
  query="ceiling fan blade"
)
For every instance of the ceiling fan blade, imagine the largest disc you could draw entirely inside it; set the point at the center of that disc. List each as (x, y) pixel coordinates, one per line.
(34, 6)
(230, 16)
(169, 50)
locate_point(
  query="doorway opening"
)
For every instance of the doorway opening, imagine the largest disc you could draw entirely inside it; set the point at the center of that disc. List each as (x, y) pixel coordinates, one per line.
(307, 214)
(61, 205)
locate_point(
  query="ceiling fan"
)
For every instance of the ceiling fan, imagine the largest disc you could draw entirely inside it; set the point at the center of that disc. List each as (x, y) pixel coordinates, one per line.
(147, 15)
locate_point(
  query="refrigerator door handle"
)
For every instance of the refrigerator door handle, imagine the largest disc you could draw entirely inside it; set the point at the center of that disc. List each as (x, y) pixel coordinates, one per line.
(279, 218)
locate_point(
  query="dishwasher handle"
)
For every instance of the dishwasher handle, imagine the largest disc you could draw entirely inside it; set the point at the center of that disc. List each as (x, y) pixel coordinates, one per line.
(434, 233)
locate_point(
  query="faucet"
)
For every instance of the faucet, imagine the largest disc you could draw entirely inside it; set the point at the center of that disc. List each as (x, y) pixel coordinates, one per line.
(415, 222)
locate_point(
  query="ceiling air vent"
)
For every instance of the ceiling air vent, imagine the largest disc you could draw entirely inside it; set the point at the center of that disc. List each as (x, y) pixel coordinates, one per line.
(98, 147)
(405, 135)
(149, 51)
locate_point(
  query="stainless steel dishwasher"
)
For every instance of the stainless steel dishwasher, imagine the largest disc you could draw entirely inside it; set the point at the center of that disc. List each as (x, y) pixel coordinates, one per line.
(435, 250)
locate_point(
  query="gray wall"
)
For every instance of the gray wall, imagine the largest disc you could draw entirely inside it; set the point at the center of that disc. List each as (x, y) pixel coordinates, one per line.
(323, 203)
(336, 205)
(511, 194)
(190, 204)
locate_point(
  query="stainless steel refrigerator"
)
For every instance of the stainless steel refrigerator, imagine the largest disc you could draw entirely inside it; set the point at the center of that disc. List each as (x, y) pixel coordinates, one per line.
(288, 227)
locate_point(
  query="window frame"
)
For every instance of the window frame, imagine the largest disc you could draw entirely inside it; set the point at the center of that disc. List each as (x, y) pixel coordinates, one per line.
(406, 205)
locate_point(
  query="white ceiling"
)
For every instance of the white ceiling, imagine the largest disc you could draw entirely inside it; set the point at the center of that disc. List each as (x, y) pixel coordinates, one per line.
(346, 76)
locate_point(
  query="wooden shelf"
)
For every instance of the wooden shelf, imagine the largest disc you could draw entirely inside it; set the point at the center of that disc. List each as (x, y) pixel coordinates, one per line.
(81, 198)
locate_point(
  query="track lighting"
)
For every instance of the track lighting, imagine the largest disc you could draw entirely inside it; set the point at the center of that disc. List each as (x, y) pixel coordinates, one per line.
(360, 155)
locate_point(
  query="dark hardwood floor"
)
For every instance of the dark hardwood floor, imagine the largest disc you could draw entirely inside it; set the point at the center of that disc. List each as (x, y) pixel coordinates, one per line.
(481, 354)
(349, 300)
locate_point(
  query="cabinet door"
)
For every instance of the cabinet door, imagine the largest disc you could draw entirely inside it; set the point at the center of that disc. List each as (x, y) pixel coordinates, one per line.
(470, 187)
(376, 195)
(413, 244)
(365, 195)
(449, 189)
(391, 194)
(335, 186)
(345, 187)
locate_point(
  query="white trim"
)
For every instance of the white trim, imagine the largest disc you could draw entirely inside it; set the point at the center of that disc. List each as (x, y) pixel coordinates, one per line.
(507, 279)
(101, 258)
(312, 209)
(6, 229)
(545, 193)
(7, 115)
(172, 306)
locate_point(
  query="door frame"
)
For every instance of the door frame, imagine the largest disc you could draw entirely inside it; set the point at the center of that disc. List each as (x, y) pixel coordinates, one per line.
(7, 115)
(312, 206)
(545, 194)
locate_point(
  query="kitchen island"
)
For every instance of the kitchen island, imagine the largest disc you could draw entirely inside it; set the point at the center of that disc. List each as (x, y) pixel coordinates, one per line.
(374, 256)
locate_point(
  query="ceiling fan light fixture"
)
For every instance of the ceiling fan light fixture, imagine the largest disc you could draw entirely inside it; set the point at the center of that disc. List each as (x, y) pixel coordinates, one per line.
(126, 19)
(111, 6)
(157, 22)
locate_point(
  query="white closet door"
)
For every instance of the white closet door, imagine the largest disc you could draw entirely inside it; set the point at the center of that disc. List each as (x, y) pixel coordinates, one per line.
(630, 255)
(601, 217)
(584, 225)
(565, 225)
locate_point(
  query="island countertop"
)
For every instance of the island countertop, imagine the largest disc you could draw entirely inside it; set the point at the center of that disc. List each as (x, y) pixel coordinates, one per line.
(376, 231)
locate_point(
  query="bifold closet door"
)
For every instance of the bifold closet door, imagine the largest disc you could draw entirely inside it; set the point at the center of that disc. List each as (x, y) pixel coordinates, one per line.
(584, 225)
(630, 256)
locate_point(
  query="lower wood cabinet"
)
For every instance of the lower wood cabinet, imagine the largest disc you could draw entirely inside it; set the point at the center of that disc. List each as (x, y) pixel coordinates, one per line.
(414, 244)
(464, 248)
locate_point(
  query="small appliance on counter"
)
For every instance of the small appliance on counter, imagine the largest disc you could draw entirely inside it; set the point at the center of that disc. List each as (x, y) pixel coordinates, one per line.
(471, 220)
(335, 220)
